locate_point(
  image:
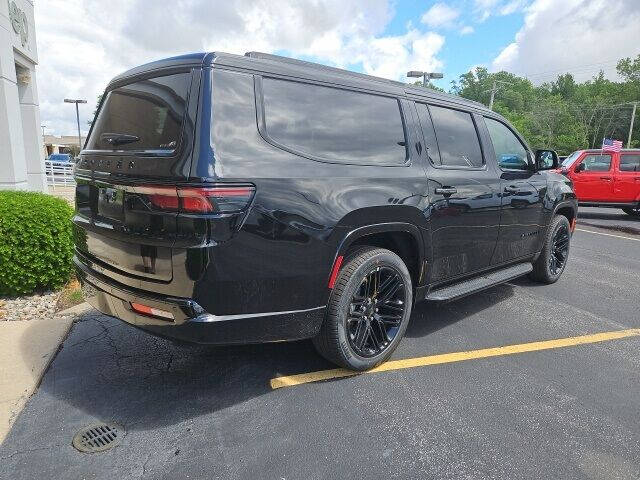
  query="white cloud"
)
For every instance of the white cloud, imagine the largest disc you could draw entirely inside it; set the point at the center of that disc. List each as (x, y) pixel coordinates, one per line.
(467, 30)
(511, 7)
(440, 15)
(486, 8)
(577, 36)
(82, 44)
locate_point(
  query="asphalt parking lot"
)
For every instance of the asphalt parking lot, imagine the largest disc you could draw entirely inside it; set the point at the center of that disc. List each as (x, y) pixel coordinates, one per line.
(205, 412)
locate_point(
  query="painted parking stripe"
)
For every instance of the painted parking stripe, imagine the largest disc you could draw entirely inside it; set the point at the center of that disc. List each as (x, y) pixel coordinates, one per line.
(299, 379)
(608, 234)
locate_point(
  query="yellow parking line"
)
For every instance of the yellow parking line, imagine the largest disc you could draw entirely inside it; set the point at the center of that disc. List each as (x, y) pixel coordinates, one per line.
(292, 380)
(608, 234)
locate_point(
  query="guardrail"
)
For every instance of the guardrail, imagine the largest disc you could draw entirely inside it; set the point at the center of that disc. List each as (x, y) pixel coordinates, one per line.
(59, 174)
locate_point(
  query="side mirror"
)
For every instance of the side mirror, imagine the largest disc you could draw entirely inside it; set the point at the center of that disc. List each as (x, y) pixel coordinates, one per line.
(546, 160)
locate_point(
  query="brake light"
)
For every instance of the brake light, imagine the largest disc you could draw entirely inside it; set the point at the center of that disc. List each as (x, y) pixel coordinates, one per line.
(217, 199)
(212, 199)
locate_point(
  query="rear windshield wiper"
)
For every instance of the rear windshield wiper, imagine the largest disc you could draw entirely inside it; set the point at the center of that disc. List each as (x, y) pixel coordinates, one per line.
(119, 138)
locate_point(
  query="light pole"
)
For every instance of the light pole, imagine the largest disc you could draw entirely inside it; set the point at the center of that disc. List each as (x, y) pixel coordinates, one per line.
(77, 101)
(44, 141)
(494, 89)
(426, 76)
(633, 117)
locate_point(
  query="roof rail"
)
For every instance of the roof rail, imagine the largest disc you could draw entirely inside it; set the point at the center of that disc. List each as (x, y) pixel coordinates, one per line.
(319, 66)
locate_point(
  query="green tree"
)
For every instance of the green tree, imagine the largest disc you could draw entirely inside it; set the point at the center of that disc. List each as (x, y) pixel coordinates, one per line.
(95, 110)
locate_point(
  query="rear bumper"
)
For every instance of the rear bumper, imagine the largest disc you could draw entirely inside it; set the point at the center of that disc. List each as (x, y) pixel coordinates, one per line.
(190, 322)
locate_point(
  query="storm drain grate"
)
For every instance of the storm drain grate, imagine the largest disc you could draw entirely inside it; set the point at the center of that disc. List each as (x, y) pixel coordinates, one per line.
(98, 437)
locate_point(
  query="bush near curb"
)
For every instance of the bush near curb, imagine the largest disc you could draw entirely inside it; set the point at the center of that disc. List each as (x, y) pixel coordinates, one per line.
(36, 242)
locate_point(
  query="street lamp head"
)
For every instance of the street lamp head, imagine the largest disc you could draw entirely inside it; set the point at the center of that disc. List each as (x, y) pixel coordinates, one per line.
(70, 100)
(415, 73)
(435, 75)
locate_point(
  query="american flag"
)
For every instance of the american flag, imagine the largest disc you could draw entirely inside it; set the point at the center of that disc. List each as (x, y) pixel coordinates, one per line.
(610, 145)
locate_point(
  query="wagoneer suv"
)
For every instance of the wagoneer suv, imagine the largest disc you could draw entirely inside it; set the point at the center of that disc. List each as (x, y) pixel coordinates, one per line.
(235, 199)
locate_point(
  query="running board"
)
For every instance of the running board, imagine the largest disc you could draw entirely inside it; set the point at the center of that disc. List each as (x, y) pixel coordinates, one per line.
(478, 283)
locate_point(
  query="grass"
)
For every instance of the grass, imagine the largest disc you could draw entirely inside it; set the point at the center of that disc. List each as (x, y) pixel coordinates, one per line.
(71, 295)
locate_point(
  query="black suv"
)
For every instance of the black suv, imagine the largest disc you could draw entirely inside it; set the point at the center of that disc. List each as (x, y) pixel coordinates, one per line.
(236, 199)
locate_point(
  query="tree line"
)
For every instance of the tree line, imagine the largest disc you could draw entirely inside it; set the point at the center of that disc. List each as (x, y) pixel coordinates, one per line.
(563, 115)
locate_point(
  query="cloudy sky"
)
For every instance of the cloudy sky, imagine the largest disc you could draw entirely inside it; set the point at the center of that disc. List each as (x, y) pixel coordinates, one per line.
(84, 43)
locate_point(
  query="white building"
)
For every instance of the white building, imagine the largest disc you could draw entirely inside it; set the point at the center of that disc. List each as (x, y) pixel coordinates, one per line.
(21, 150)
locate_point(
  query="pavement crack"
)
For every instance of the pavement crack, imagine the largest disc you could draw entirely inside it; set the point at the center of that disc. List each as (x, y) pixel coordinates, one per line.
(30, 450)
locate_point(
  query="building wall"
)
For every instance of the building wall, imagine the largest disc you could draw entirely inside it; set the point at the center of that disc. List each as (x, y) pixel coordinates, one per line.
(21, 156)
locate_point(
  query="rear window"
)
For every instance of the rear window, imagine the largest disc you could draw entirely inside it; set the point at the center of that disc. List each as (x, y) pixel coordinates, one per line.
(334, 124)
(144, 115)
(630, 162)
(457, 137)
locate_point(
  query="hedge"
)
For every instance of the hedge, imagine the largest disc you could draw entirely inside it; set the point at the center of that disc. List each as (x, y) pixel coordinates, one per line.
(36, 242)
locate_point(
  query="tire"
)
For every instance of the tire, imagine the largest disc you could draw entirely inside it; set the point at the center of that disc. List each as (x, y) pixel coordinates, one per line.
(546, 268)
(633, 211)
(352, 320)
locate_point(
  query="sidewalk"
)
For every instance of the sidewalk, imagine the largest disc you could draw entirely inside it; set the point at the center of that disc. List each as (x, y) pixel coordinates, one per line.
(26, 349)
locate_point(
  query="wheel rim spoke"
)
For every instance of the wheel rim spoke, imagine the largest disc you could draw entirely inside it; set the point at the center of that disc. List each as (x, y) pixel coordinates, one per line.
(376, 311)
(559, 250)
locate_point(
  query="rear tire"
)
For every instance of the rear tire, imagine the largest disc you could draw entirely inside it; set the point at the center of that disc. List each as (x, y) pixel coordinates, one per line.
(368, 310)
(633, 211)
(555, 252)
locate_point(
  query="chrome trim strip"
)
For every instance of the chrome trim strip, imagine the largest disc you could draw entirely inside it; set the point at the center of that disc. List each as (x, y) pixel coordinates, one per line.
(208, 317)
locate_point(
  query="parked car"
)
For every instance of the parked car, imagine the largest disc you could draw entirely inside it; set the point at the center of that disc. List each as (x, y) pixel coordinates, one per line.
(606, 179)
(237, 199)
(60, 158)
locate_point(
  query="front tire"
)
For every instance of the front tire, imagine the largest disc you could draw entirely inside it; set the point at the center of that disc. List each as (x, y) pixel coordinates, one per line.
(633, 211)
(368, 310)
(555, 252)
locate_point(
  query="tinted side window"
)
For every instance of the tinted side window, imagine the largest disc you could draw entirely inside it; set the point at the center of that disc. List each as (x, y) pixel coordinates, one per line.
(510, 153)
(596, 163)
(151, 110)
(457, 137)
(334, 124)
(429, 133)
(630, 162)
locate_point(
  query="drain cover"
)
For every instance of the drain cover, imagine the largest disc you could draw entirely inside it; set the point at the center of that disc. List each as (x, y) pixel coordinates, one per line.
(98, 437)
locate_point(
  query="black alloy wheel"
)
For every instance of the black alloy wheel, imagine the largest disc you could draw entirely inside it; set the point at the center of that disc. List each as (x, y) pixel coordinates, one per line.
(552, 260)
(368, 310)
(633, 211)
(559, 250)
(376, 311)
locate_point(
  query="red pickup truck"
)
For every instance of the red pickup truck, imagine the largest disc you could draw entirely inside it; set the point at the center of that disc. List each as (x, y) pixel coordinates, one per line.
(605, 179)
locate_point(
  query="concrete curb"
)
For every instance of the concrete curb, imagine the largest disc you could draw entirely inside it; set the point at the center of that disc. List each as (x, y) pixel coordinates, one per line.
(75, 310)
(27, 348)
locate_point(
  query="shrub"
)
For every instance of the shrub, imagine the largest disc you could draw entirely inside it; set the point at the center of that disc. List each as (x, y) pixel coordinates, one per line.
(36, 243)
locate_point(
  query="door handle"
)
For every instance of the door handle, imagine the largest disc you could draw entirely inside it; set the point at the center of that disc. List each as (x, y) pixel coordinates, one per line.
(446, 190)
(608, 179)
(511, 189)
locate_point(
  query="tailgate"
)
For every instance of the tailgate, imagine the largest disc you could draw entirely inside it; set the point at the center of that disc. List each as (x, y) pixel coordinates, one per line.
(142, 134)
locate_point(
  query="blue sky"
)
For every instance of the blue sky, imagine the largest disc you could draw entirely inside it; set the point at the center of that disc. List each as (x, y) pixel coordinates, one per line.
(79, 50)
(461, 52)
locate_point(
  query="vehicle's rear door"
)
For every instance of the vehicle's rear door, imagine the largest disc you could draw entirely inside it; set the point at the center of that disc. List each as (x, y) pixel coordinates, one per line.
(139, 147)
(464, 193)
(592, 177)
(626, 177)
(522, 189)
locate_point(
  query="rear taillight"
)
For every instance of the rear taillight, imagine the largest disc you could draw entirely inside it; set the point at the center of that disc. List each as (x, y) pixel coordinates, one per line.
(217, 199)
